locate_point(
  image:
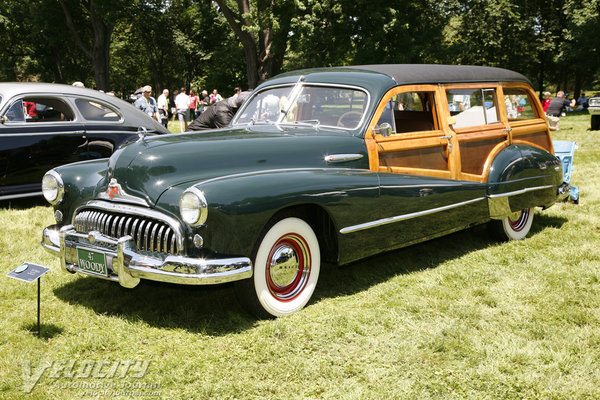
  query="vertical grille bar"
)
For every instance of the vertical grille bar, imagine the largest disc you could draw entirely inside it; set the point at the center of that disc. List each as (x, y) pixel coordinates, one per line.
(148, 234)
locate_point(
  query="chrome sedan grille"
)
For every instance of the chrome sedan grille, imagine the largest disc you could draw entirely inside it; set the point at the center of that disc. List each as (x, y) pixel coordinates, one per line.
(149, 234)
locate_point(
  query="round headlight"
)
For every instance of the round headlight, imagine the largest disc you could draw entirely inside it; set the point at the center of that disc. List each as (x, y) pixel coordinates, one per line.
(52, 187)
(193, 207)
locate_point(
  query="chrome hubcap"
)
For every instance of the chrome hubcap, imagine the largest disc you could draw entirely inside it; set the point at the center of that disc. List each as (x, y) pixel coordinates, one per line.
(518, 222)
(284, 266)
(288, 267)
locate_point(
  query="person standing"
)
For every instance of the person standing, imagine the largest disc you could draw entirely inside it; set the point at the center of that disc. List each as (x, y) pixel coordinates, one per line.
(163, 107)
(193, 104)
(204, 101)
(215, 96)
(147, 103)
(182, 103)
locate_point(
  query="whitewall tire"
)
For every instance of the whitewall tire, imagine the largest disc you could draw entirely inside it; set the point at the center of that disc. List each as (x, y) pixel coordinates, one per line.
(286, 269)
(513, 227)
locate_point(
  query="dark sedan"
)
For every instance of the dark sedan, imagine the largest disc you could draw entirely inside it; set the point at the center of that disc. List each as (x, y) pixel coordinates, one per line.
(43, 125)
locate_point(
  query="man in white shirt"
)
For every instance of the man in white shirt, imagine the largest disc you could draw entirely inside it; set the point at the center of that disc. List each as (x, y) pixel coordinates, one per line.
(163, 107)
(182, 102)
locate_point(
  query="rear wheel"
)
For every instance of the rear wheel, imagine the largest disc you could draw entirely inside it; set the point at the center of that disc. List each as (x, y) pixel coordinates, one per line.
(286, 269)
(513, 227)
(595, 122)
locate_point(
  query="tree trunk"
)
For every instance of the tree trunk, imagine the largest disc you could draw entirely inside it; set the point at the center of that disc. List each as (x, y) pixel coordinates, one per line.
(258, 66)
(100, 53)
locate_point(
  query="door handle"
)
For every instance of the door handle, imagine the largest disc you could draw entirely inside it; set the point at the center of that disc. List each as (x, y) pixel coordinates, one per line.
(449, 137)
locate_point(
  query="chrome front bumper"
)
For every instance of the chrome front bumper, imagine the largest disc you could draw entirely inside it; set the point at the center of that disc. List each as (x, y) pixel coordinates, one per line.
(127, 266)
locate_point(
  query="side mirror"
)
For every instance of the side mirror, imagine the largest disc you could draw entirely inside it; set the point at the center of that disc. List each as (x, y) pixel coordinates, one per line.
(3, 119)
(384, 129)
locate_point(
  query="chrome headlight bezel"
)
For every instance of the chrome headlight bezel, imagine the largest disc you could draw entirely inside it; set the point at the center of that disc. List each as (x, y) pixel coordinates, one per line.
(193, 207)
(53, 187)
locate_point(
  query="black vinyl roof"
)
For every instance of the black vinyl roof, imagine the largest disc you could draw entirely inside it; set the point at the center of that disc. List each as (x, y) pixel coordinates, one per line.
(438, 73)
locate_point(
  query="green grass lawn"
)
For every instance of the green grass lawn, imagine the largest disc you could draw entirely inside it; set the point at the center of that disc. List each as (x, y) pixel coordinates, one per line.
(460, 317)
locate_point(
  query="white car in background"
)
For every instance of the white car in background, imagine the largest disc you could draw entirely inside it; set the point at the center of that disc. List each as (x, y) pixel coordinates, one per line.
(594, 110)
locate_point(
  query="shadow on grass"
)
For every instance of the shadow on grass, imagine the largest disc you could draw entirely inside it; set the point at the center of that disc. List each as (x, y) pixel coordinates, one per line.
(213, 310)
(47, 331)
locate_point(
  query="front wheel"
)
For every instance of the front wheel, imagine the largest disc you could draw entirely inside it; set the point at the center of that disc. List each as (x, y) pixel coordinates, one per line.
(286, 269)
(513, 227)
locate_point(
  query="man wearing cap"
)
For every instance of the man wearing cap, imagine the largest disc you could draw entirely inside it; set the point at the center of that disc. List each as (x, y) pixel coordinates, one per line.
(147, 104)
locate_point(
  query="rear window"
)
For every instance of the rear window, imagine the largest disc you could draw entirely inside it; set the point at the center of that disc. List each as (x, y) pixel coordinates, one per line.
(518, 104)
(94, 111)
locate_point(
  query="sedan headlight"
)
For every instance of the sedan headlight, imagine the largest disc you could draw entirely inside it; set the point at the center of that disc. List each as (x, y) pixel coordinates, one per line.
(594, 101)
(193, 207)
(53, 187)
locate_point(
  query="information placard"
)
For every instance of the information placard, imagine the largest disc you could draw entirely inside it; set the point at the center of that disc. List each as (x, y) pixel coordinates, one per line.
(28, 272)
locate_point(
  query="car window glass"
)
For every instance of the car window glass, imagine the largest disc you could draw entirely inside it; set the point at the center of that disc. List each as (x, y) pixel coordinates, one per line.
(409, 112)
(518, 104)
(472, 107)
(15, 113)
(94, 111)
(46, 109)
(327, 106)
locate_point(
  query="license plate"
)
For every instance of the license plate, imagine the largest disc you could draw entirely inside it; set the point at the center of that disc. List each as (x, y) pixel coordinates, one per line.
(92, 261)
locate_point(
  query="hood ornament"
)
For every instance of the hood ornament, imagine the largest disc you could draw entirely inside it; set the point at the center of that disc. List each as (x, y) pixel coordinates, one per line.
(114, 189)
(115, 192)
(142, 133)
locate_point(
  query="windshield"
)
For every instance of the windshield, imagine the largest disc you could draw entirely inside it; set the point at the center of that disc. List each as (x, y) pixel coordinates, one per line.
(318, 105)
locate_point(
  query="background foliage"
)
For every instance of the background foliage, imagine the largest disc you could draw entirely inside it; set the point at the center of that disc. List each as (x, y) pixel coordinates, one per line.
(226, 43)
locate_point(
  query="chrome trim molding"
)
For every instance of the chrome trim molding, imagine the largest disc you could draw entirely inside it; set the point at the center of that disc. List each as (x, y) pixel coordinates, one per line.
(517, 192)
(398, 218)
(18, 196)
(499, 206)
(128, 266)
(338, 158)
(271, 171)
(41, 133)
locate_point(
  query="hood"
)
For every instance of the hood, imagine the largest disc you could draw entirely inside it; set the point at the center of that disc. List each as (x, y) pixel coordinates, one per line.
(147, 168)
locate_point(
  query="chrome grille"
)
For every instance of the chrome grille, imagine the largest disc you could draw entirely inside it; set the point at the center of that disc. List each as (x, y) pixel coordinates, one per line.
(149, 234)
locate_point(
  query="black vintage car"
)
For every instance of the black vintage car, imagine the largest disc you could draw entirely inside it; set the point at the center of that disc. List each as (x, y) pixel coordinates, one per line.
(43, 125)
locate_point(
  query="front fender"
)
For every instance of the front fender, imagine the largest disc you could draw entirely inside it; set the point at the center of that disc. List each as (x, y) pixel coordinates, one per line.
(241, 205)
(81, 181)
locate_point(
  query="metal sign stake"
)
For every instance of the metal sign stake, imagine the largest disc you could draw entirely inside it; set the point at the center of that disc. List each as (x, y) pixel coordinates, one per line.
(29, 272)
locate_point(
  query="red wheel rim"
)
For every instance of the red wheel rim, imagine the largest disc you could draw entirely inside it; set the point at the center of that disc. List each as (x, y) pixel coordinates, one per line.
(288, 267)
(521, 221)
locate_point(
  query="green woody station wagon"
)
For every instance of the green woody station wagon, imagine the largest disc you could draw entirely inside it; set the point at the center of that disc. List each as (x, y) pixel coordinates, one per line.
(330, 164)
